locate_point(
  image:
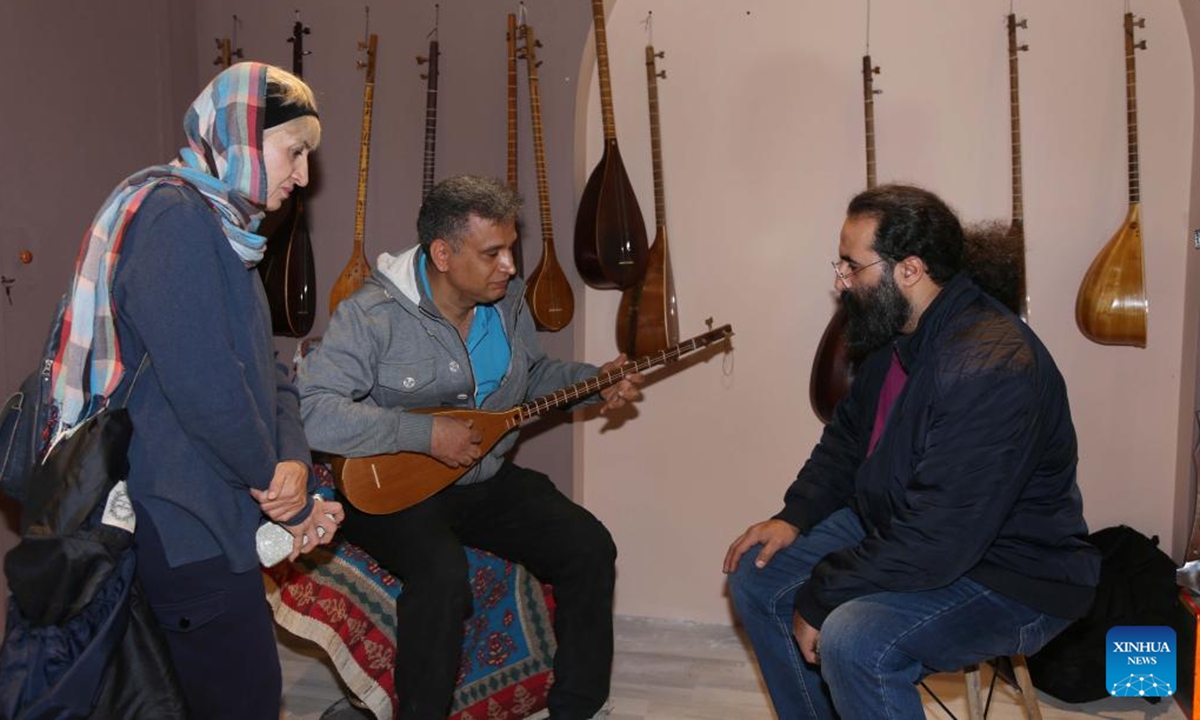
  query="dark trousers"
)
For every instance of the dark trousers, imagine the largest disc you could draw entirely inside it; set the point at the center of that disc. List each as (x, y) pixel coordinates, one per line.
(219, 630)
(519, 515)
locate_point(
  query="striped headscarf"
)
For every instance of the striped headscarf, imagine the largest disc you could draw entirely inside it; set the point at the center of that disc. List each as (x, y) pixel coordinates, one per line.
(224, 162)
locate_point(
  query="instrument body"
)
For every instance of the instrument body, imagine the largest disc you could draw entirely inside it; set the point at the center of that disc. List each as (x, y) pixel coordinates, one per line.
(381, 484)
(1111, 307)
(610, 233)
(357, 268)
(648, 315)
(547, 291)
(288, 268)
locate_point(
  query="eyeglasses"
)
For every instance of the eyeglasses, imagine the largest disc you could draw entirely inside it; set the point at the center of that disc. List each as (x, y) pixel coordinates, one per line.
(845, 276)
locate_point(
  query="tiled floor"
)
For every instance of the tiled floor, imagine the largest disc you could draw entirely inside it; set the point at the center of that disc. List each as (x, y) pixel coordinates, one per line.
(667, 670)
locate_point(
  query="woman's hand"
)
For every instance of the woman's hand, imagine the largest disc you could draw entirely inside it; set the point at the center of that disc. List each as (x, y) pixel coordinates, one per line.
(318, 528)
(285, 496)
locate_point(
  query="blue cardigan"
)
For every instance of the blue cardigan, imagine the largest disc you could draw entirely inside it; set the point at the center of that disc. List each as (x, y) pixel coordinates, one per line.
(213, 412)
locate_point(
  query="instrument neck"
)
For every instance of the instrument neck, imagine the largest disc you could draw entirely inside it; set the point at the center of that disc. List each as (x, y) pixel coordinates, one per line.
(606, 103)
(512, 100)
(1014, 101)
(431, 93)
(869, 118)
(539, 148)
(660, 197)
(1131, 112)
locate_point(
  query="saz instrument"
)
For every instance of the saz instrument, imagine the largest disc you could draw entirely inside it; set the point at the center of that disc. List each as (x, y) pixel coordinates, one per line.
(1016, 231)
(289, 273)
(380, 484)
(648, 316)
(833, 368)
(1111, 306)
(547, 292)
(610, 234)
(511, 38)
(357, 269)
(227, 49)
(431, 93)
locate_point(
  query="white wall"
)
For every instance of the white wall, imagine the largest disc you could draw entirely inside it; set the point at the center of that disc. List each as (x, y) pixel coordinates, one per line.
(763, 146)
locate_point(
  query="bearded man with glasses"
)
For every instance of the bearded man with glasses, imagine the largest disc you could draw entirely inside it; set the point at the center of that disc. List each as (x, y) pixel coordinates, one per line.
(938, 522)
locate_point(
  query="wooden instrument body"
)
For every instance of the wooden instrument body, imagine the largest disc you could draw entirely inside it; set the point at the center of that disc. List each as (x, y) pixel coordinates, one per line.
(547, 291)
(387, 483)
(648, 315)
(1111, 308)
(381, 484)
(611, 248)
(357, 269)
(288, 269)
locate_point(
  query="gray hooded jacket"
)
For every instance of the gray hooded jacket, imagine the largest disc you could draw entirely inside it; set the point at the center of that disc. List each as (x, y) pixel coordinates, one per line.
(388, 349)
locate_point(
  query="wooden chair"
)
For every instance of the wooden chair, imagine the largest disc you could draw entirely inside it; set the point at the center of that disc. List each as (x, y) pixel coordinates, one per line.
(977, 708)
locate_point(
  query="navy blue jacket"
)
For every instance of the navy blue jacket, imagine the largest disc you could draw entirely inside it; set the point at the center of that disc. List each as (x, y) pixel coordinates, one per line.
(974, 473)
(213, 412)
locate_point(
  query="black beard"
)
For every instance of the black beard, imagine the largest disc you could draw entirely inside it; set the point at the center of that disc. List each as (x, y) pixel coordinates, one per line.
(874, 316)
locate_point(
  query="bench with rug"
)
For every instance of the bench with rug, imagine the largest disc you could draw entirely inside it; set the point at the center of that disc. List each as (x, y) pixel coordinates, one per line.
(342, 600)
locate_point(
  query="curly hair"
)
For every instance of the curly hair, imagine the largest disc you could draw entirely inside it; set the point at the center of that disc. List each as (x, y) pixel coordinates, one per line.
(913, 222)
(448, 207)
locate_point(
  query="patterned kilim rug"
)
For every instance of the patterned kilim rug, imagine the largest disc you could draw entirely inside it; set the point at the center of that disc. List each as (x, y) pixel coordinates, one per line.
(341, 599)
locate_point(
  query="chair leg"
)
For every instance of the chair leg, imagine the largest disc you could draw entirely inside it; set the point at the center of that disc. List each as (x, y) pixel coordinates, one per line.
(974, 705)
(1025, 683)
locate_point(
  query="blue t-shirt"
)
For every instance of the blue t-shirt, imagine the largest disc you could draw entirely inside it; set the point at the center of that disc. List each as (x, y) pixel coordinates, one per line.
(487, 345)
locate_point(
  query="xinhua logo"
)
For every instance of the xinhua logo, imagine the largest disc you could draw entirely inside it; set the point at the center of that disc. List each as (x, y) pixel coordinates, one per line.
(1140, 661)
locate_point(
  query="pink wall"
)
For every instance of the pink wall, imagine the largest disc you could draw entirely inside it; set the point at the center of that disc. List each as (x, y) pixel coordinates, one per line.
(763, 146)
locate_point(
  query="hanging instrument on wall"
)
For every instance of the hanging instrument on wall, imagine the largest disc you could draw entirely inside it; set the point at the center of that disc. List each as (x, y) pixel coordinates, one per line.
(648, 315)
(1111, 306)
(357, 268)
(547, 291)
(431, 94)
(288, 270)
(227, 49)
(511, 39)
(387, 483)
(833, 367)
(610, 233)
(1016, 231)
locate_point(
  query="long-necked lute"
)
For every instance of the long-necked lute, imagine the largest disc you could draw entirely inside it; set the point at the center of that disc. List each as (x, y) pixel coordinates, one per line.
(547, 291)
(380, 484)
(610, 232)
(289, 272)
(431, 94)
(1111, 306)
(357, 268)
(648, 315)
(833, 367)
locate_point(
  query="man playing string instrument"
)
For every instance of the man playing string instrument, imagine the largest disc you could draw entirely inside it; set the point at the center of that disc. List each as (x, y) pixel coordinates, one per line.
(444, 324)
(937, 523)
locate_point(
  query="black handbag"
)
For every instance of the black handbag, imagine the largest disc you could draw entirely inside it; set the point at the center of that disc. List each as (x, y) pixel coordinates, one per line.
(80, 640)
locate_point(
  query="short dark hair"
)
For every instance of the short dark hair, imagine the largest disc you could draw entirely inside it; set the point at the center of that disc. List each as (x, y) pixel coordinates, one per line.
(913, 222)
(449, 206)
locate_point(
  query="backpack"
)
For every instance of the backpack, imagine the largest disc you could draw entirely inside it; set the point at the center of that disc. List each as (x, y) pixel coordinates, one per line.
(1136, 587)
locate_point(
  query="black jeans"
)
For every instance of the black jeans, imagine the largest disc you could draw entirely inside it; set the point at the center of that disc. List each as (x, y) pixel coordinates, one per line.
(519, 515)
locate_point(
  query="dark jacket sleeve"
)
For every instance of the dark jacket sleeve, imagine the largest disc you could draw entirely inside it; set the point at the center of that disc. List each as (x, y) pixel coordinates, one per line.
(974, 463)
(289, 435)
(825, 484)
(184, 320)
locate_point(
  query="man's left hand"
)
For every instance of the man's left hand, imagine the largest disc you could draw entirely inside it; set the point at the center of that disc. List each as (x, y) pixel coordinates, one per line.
(285, 496)
(808, 638)
(624, 392)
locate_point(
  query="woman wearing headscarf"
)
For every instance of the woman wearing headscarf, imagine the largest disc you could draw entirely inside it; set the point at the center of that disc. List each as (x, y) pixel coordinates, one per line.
(166, 273)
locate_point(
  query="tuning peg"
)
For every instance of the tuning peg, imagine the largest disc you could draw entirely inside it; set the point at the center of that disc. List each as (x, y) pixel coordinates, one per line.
(1140, 22)
(662, 74)
(538, 64)
(1023, 23)
(237, 53)
(421, 59)
(1022, 47)
(875, 70)
(359, 64)
(1140, 45)
(660, 54)
(362, 45)
(875, 91)
(306, 31)
(537, 43)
